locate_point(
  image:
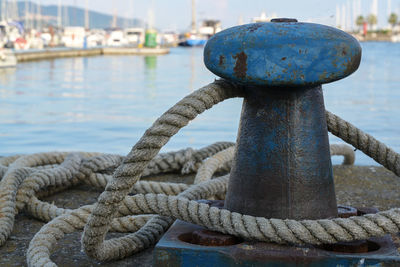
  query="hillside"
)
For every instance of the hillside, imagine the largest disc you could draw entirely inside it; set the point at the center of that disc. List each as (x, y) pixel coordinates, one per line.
(75, 16)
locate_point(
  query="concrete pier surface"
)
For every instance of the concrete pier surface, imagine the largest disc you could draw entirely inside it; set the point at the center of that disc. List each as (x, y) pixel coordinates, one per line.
(32, 55)
(357, 186)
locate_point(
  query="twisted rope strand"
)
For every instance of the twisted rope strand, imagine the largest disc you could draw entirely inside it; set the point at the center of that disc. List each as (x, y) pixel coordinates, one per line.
(154, 138)
(41, 245)
(16, 173)
(25, 178)
(364, 142)
(147, 148)
(343, 150)
(44, 241)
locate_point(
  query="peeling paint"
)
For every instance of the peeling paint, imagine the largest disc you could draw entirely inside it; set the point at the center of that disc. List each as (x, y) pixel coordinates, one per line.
(282, 54)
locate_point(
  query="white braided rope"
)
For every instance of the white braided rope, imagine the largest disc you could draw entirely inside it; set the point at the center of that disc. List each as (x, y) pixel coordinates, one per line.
(41, 245)
(30, 175)
(130, 170)
(26, 177)
(343, 150)
(166, 126)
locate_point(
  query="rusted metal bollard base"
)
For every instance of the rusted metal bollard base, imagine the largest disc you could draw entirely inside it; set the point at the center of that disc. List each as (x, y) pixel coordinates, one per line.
(187, 244)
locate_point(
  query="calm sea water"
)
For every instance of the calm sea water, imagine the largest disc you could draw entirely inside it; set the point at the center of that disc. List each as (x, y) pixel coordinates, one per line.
(106, 103)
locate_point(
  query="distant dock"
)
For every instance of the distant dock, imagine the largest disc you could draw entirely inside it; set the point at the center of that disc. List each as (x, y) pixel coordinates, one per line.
(134, 51)
(33, 55)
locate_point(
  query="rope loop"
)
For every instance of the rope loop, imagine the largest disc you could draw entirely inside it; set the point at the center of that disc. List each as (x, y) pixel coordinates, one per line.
(146, 209)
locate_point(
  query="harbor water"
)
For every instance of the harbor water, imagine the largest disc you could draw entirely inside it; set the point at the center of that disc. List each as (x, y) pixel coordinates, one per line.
(105, 103)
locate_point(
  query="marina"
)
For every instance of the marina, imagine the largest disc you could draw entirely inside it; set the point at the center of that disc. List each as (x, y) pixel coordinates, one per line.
(209, 133)
(23, 56)
(7, 58)
(81, 113)
(26, 30)
(69, 100)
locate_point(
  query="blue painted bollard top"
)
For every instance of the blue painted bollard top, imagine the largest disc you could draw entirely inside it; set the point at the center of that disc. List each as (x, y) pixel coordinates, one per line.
(282, 54)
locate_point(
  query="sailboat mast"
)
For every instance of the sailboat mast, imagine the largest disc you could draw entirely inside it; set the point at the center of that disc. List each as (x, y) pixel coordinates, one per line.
(39, 16)
(132, 8)
(59, 15)
(26, 15)
(3, 10)
(114, 19)
(86, 14)
(11, 10)
(66, 16)
(16, 13)
(338, 18)
(194, 28)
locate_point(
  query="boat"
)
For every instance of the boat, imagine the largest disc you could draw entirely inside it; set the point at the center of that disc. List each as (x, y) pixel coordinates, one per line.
(134, 36)
(264, 18)
(33, 41)
(210, 27)
(96, 38)
(74, 37)
(193, 39)
(10, 31)
(116, 38)
(21, 44)
(199, 37)
(395, 38)
(7, 58)
(169, 38)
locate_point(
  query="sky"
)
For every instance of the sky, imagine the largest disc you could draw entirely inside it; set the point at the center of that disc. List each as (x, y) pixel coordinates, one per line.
(176, 14)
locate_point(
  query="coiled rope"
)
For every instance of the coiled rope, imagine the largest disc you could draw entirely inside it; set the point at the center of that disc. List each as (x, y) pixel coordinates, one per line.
(118, 210)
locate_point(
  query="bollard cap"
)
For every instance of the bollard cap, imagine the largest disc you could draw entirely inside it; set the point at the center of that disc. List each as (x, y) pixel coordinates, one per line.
(282, 53)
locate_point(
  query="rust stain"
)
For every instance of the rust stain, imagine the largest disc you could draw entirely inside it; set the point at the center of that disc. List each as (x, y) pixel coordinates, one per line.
(284, 58)
(334, 63)
(240, 68)
(327, 76)
(211, 238)
(352, 64)
(221, 60)
(344, 52)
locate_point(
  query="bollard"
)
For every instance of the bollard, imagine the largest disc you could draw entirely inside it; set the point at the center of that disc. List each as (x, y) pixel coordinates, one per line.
(282, 167)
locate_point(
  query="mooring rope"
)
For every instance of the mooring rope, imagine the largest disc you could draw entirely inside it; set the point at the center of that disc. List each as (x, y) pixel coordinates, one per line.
(129, 205)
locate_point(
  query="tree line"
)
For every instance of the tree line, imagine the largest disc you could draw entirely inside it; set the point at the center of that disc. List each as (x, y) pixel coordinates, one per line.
(372, 20)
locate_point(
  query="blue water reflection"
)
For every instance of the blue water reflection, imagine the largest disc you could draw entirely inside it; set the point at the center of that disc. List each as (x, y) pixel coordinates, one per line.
(105, 103)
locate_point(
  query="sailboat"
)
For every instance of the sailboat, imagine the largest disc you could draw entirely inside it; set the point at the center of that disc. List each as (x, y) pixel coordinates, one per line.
(193, 38)
(7, 58)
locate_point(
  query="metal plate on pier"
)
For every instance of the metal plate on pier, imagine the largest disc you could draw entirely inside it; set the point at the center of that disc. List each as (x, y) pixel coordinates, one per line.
(175, 249)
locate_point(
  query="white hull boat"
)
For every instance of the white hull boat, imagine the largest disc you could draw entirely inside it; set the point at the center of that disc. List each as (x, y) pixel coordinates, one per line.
(7, 58)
